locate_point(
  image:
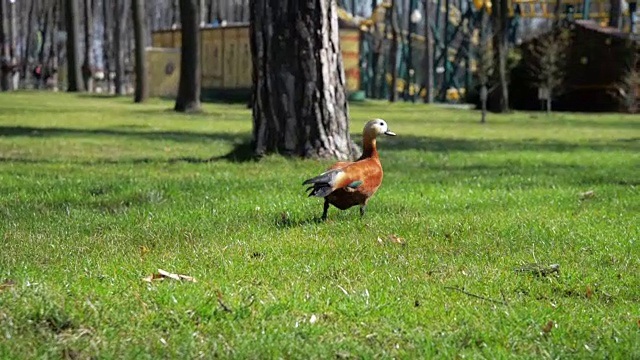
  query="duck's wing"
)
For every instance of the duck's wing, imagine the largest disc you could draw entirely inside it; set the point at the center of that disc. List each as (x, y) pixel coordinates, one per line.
(341, 175)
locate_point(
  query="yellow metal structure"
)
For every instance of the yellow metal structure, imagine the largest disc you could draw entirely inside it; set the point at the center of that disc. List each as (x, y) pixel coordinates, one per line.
(226, 57)
(163, 69)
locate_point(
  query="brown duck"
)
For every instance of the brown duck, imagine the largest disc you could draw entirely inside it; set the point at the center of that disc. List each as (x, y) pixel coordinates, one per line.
(346, 183)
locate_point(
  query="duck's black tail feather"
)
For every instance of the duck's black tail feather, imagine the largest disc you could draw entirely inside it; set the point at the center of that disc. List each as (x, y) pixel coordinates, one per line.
(322, 185)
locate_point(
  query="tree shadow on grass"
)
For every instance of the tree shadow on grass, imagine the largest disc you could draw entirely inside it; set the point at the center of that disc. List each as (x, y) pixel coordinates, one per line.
(103, 96)
(436, 144)
(242, 151)
(182, 136)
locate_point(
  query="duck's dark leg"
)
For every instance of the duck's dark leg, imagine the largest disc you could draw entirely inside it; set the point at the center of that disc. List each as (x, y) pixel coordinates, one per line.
(326, 209)
(363, 209)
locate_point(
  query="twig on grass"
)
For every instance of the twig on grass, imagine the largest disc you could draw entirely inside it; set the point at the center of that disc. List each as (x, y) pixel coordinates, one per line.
(224, 306)
(477, 296)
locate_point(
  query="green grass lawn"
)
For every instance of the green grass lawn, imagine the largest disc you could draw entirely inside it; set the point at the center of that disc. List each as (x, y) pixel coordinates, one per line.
(97, 193)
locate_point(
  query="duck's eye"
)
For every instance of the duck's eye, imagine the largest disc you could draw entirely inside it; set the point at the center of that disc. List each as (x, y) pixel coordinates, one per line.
(381, 124)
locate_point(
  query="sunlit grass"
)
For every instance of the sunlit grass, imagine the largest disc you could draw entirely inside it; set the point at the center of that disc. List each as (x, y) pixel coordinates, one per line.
(97, 193)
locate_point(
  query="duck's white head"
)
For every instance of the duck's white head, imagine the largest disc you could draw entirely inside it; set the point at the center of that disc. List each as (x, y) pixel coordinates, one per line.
(378, 127)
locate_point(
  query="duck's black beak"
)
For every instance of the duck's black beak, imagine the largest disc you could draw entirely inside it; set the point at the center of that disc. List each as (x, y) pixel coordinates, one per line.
(390, 133)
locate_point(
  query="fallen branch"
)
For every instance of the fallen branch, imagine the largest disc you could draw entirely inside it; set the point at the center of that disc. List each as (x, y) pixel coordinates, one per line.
(540, 271)
(477, 296)
(224, 306)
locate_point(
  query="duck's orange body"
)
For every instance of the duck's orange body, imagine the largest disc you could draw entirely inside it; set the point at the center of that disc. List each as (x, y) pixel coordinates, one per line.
(347, 184)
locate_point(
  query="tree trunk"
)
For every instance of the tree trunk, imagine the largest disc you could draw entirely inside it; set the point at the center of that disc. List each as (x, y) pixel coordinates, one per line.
(51, 70)
(485, 62)
(29, 40)
(13, 34)
(5, 73)
(140, 32)
(74, 78)
(118, 45)
(46, 17)
(393, 53)
(501, 48)
(88, 27)
(428, 53)
(106, 43)
(46, 28)
(188, 99)
(210, 15)
(300, 105)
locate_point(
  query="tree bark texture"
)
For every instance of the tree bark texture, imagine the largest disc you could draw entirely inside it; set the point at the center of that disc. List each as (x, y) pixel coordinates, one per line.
(501, 50)
(300, 105)
(88, 29)
(74, 78)
(140, 32)
(188, 99)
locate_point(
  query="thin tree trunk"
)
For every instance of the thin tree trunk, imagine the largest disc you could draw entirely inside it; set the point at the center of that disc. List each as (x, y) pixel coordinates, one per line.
(29, 40)
(88, 28)
(188, 99)
(5, 66)
(107, 49)
(51, 70)
(118, 45)
(300, 105)
(46, 28)
(501, 47)
(74, 78)
(428, 52)
(485, 62)
(46, 17)
(210, 15)
(13, 56)
(140, 32)
(393, 94)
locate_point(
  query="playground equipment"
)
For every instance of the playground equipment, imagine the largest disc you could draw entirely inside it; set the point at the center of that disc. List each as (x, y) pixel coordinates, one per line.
(365, 43)
(455, 28)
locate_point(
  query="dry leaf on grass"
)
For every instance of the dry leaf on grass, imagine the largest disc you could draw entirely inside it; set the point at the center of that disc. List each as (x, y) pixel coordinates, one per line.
(397, 239)
(161, 275)
(548, 327)
(392, 238)
(589, 292)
